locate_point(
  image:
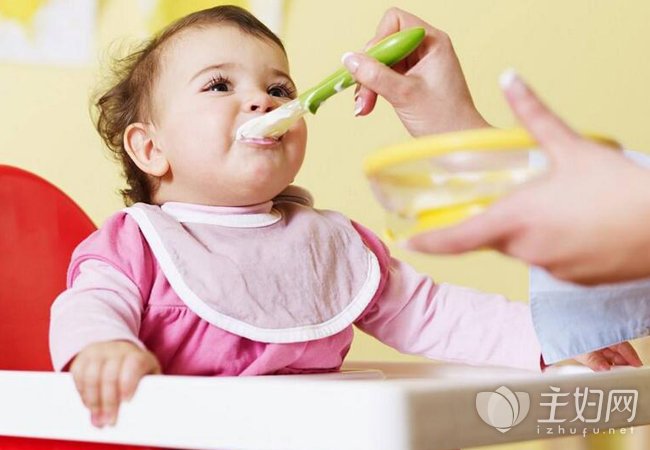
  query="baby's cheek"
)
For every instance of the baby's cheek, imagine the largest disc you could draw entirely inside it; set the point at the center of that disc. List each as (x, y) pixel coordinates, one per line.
(299, 139)
(301, 129)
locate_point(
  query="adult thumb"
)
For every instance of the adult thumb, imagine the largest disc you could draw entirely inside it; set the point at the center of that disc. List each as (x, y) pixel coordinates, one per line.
(551, 132)
(374, 75)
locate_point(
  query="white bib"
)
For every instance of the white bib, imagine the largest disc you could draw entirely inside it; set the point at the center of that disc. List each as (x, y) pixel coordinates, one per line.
(292, 274)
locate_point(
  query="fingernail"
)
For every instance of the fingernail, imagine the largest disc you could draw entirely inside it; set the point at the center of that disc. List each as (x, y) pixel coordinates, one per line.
(96, 419)
(358, 106)
(508, 78)
(351, 61)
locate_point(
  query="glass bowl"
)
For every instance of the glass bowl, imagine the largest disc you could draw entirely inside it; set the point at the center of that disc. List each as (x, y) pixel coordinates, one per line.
(438, 181)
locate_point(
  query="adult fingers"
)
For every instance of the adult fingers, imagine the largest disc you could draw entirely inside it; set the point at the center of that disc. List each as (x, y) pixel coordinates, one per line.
(628, 354)
(364, 101)
(595, 361)
(393, 20)
(377, 77)
(396, 19)
(365, 98)
(555, 136)
(613, 358)
(487, 229)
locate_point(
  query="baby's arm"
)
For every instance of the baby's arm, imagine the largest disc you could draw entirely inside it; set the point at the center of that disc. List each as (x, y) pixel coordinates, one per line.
(93, 331)
(414, 315)
(440, 321)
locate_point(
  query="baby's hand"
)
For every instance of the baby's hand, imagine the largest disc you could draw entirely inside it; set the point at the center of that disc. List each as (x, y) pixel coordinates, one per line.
(616, 355)
(107, 373)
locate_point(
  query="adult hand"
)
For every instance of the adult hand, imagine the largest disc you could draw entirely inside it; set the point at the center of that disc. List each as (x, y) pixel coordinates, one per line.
(587, 220)
(427, 89)
(622, 354)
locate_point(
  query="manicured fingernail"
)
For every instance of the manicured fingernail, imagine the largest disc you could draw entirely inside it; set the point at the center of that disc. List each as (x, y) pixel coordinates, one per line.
(351, 61)
(508, 77)
(512, 82)
(358, 106)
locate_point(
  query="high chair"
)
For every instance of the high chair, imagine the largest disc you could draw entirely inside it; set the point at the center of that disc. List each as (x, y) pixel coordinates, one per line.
(368, 406)
(39, 228)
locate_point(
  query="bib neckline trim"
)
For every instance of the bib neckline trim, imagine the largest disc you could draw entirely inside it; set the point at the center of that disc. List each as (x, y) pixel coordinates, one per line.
(255, 216)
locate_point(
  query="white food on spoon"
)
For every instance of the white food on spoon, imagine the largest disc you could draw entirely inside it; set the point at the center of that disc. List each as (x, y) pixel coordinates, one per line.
(273, 124)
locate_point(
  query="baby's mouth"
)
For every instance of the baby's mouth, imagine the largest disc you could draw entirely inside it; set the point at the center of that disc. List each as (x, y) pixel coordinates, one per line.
(261, 141)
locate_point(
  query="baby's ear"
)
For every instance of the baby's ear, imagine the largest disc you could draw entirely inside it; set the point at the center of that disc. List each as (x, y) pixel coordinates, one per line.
(142, 148)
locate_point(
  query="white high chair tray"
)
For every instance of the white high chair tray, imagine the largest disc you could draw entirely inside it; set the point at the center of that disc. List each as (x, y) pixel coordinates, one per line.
(378, 406)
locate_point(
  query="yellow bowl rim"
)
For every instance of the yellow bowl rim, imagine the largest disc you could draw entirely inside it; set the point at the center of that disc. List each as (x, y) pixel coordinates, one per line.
(482, 139)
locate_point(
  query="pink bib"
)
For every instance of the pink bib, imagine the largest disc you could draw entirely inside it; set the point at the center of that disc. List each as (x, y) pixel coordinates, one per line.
(289, 274)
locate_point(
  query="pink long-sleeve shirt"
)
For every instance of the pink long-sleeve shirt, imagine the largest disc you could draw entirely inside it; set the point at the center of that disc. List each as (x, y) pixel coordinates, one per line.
(121, 293)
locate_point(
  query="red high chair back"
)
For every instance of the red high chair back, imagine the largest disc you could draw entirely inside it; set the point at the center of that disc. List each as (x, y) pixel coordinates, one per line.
(39, 228)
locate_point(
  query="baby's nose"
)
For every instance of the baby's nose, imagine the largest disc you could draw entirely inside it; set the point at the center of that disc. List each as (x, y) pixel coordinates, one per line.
(261, 103)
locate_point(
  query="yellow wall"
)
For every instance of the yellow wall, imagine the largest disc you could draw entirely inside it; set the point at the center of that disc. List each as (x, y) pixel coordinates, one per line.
(588, 58)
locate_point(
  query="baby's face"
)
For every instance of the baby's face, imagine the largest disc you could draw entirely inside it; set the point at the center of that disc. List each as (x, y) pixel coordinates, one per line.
(211, 81)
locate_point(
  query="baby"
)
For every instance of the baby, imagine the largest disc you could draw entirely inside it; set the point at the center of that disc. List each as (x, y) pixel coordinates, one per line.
(219, 266)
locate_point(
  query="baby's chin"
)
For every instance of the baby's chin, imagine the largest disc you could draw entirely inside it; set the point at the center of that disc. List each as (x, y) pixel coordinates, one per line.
(260, 192)
(218, 199)
(261, 171)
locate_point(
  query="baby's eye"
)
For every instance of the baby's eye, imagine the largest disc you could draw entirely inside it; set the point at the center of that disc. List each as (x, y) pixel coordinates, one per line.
(221, 87)
(219, 84)
(281, 90)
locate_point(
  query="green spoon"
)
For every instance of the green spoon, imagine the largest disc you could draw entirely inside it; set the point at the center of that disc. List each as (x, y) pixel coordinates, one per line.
(274, 124)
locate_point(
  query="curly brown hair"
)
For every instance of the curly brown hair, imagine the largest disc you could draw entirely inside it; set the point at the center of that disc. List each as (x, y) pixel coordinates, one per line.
(128, 99)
